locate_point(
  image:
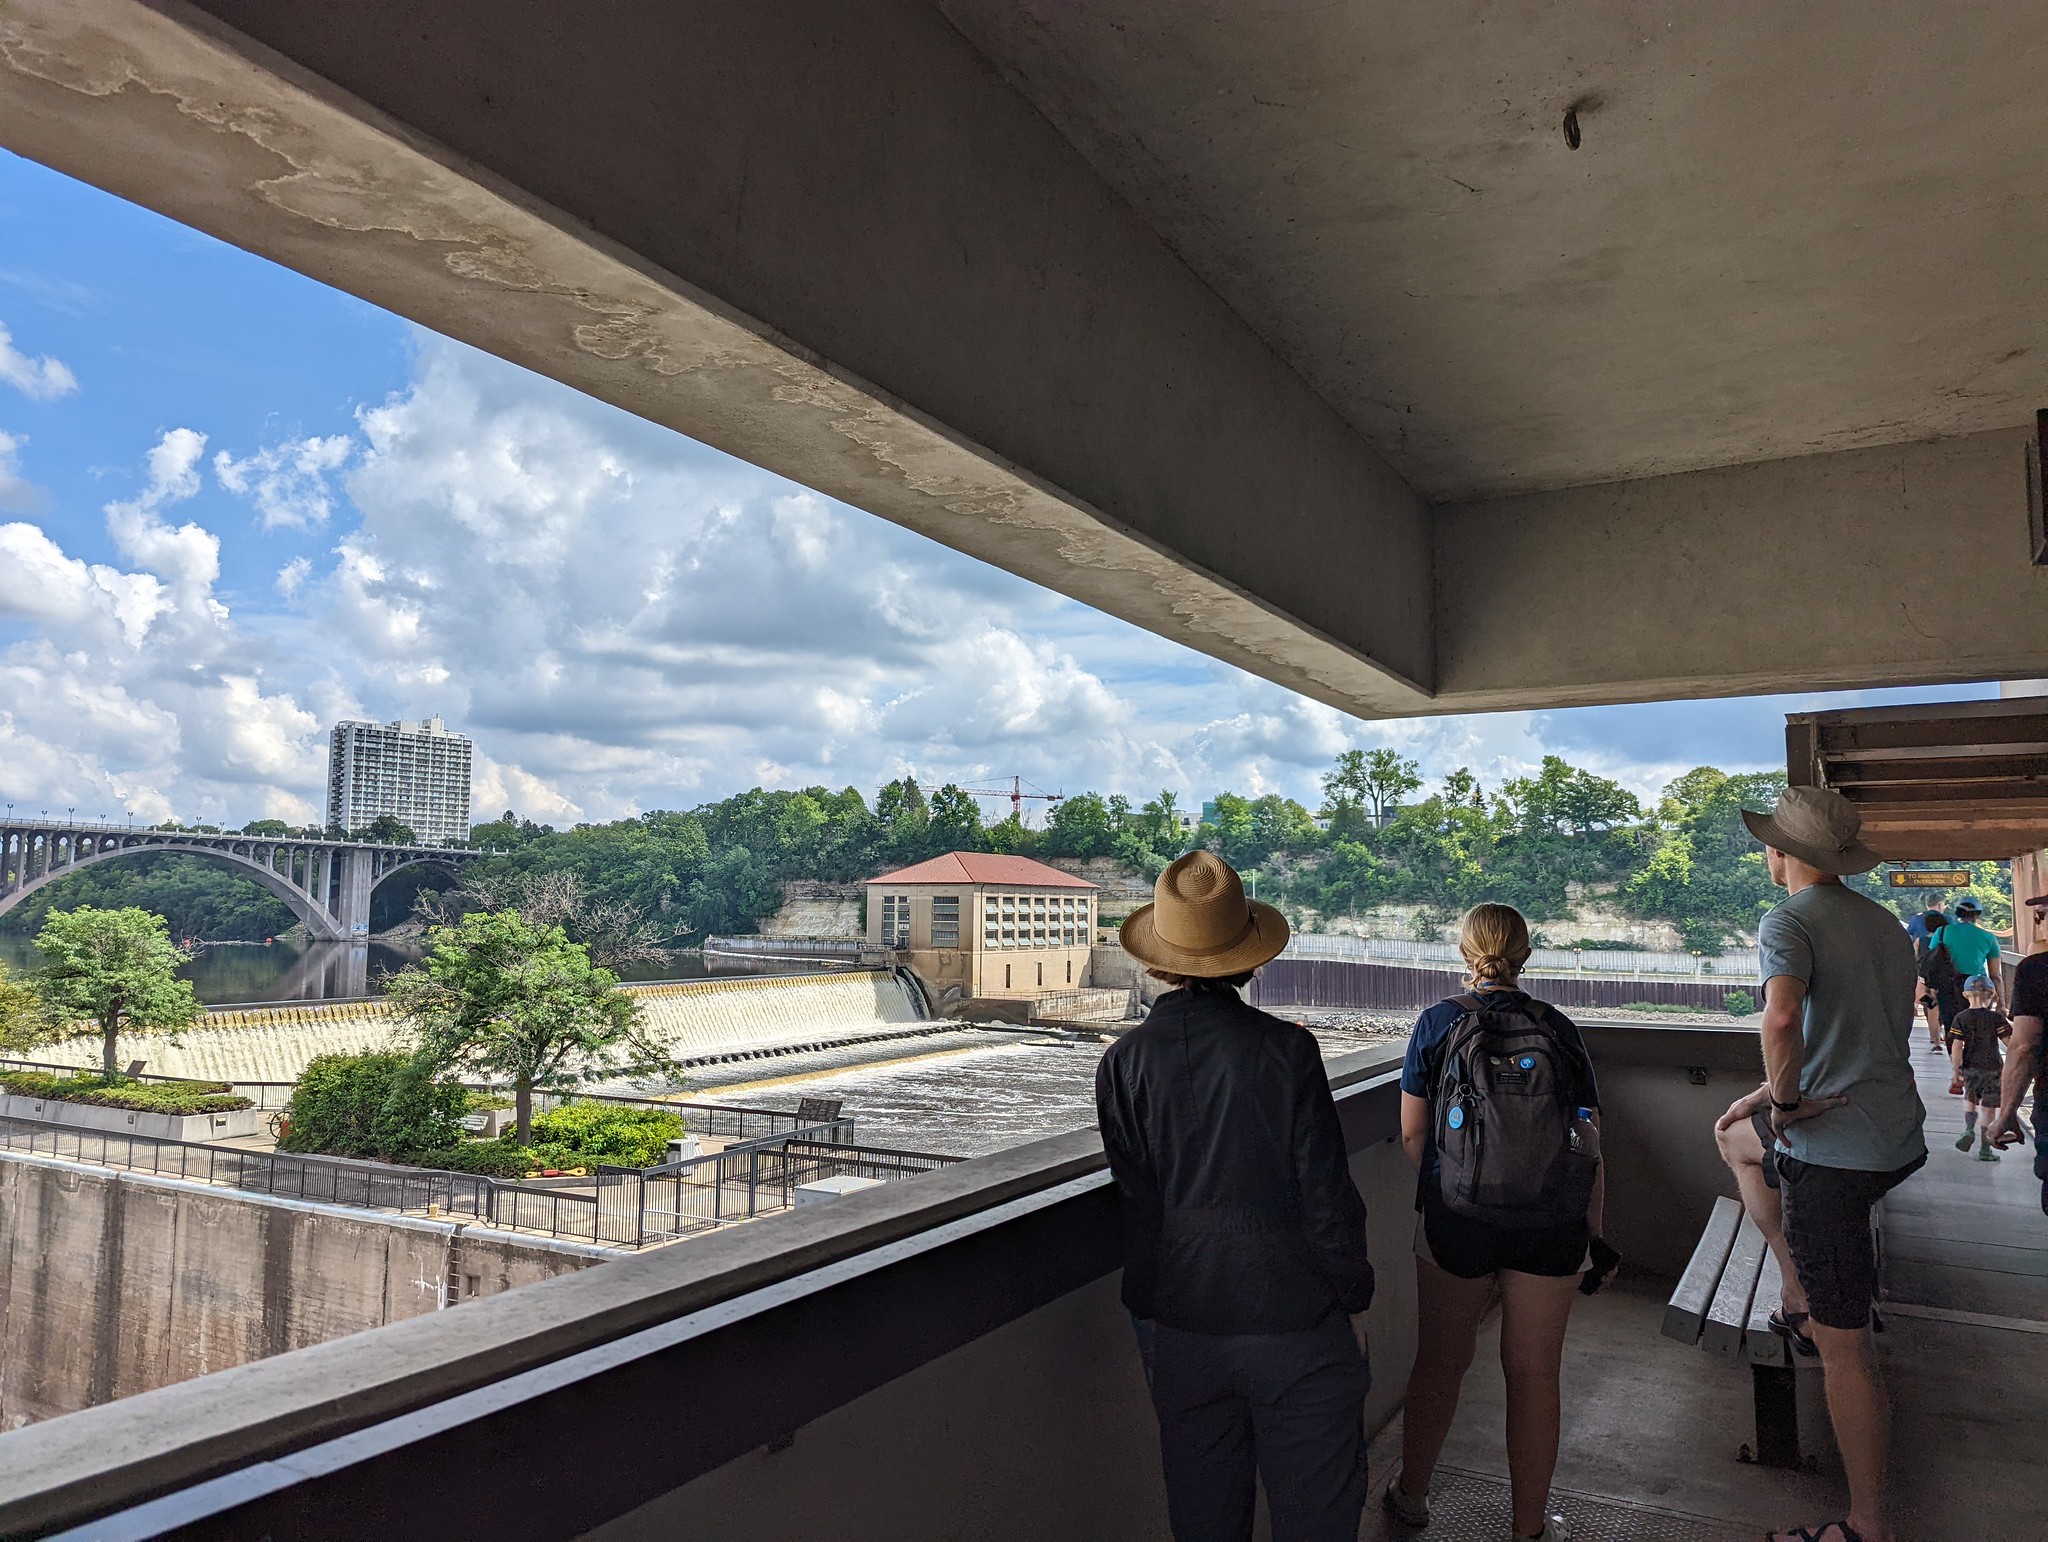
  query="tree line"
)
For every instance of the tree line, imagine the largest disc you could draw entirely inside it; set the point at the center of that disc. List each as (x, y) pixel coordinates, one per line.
(1379, 835)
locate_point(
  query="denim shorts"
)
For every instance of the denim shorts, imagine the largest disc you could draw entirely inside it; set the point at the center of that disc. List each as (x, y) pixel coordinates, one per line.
(1827, 1232)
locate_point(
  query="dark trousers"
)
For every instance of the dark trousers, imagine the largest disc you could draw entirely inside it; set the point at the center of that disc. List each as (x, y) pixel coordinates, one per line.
(1285, 1407)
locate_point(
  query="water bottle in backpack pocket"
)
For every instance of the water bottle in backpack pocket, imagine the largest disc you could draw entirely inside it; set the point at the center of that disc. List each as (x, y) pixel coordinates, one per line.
(1511, 1149)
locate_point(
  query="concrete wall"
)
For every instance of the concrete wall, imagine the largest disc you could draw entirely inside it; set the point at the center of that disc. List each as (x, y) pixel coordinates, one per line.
(114, 1283)
(1045, 1426)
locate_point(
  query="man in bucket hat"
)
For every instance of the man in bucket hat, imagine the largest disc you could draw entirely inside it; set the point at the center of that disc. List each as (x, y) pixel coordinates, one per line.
(1244, 1236)
(1837, 1122)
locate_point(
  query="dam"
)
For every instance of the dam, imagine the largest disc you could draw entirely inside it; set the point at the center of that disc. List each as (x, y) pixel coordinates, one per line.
(698, 1021)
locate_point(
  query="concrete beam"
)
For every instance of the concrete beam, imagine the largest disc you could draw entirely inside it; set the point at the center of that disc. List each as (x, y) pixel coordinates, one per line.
(1901, 565)
(828, 239)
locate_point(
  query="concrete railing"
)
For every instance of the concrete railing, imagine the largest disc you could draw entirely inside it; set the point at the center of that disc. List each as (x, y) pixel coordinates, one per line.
(941, 1357)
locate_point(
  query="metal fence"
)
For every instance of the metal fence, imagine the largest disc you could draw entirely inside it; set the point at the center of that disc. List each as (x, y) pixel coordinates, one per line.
(1737, 964)
(721, 1121)
(789, 947)
(743, 1182)
(616, 1207)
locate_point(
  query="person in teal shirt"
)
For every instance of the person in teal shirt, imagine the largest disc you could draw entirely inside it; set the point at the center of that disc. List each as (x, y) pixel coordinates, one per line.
(1974, 950)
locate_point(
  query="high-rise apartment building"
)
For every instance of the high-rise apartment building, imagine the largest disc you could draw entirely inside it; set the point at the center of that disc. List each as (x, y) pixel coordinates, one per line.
(416, 772)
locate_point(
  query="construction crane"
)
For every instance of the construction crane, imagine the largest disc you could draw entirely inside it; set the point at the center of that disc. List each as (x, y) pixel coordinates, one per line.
(1014, 792)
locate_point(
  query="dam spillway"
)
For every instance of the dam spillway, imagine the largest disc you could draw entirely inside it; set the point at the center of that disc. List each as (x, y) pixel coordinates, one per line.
(694, 1020)
(701, 1019)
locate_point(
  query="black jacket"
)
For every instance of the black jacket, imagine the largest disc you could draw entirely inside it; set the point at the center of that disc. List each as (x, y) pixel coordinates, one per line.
(1239, 1211)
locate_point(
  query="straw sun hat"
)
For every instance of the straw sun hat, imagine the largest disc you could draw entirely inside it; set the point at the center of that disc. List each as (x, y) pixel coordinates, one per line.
(1818, 826)
(1200, 924)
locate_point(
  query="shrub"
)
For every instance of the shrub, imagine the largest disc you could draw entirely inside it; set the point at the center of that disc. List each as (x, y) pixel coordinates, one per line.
(1739, 1003)
(1658, 1008)
(384, 1105)
(138, 1097)
(491, 1158)
(585, 1134)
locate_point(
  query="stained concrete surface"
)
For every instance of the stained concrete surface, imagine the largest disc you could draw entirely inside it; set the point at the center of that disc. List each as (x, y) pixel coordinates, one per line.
(115, 1283)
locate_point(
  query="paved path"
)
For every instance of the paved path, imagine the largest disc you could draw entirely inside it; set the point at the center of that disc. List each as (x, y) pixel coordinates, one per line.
(1962, 1235)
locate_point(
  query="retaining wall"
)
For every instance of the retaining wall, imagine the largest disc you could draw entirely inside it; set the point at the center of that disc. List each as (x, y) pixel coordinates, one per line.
(114, 1283)
(1309, 982)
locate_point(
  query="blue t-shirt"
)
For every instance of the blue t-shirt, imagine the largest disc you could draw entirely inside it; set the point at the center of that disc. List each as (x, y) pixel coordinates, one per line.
(1424, 1061)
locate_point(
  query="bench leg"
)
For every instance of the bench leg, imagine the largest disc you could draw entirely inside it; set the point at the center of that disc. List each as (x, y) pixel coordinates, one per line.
(1776, 1389)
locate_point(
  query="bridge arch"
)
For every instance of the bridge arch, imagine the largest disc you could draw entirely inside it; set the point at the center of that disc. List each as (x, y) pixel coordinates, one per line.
(319, 923)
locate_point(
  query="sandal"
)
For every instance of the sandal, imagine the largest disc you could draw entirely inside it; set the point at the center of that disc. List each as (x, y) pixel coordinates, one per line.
(1786, 1326)
(1847, 1533)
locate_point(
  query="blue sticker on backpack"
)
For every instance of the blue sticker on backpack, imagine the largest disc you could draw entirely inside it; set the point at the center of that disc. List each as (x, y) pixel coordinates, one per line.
(1528, 1062)
(1455, 1119)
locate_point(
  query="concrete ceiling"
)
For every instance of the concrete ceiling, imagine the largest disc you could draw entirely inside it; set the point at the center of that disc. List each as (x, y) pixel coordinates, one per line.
(1789, 229)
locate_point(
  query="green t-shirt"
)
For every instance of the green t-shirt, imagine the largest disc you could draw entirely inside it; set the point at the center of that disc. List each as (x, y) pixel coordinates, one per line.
(1968, 944)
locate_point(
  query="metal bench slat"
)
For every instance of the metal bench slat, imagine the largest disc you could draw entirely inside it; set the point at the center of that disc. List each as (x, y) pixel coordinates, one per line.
(1761, 1346)
(1686, 1312)
(1729, 1314)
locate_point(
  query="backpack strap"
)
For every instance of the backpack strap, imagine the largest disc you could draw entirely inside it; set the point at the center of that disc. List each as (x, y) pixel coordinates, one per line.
(1470, 1002)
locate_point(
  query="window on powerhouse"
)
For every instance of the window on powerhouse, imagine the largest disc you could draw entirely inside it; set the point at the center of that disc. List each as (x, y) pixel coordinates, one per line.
(895, 920)
(1033, 920)
(946, 921)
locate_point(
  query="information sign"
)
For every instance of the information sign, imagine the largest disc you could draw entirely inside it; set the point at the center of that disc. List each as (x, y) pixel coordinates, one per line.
(1930, 878)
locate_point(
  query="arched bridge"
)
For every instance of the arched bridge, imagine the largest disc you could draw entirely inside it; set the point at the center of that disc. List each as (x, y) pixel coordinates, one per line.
(327, 884)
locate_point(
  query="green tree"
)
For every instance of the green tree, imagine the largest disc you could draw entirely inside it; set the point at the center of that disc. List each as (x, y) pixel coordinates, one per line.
(20, 1022)
(1705, 872)
(954, 822)
(388, 830)
(115, 969)
(266, 827)
(1079, 827)
(519, 1003)
(1372, 780)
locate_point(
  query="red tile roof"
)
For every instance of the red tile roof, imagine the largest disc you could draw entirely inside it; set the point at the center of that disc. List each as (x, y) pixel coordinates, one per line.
(981, 867)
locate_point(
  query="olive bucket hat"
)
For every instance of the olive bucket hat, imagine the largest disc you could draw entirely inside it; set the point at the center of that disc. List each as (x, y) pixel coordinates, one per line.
(1818, 826)
(1200, 924)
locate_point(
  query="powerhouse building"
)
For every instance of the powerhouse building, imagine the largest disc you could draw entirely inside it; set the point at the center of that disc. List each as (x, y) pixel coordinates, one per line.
(416, 772)
(979, 924)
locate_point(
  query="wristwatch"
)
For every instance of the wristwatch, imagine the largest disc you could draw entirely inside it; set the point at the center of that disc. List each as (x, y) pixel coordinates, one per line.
(1785, 1108)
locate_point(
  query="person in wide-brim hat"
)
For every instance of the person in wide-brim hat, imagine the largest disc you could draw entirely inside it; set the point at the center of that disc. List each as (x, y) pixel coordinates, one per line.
(1819, 827)
(1200, 925)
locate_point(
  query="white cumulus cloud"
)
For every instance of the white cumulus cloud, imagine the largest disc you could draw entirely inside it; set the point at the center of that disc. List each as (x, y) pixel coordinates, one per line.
(40, 380)
(288, 482)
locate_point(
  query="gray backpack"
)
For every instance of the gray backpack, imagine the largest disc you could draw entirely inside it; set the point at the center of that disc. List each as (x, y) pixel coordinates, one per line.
(1507, 1091)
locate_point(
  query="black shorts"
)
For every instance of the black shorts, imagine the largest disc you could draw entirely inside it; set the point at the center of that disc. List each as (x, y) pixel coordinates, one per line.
(1827, 1232)
(1475, 1250)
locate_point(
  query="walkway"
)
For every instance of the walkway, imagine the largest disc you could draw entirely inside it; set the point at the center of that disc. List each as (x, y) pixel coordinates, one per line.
(1652, 1427)
(1964, 1236)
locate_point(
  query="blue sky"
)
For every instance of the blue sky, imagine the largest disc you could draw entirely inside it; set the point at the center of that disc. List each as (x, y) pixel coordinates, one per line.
(236, 505)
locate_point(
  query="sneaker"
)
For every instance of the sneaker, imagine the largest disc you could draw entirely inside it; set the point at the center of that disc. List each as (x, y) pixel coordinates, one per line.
(1555, 1529)
(1411, 1510)
(1964, 1141)
(1986, 1154)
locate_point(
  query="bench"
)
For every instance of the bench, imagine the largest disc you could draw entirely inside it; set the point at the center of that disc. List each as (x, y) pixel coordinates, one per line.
(1724, 1303)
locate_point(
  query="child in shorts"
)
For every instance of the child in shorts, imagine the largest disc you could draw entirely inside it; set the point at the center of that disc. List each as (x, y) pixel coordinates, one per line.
(1973, 1050)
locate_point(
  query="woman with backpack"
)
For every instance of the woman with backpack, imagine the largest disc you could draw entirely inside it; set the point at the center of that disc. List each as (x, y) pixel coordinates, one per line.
(1500, 1114)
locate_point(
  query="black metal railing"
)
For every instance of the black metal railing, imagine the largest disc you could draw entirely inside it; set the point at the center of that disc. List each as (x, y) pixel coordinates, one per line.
(615, 1207)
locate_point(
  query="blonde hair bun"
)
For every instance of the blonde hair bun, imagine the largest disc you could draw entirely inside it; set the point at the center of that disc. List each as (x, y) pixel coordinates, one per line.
(1495, 942)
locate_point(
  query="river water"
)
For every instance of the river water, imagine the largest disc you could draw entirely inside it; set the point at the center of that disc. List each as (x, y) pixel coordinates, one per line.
(226, 973)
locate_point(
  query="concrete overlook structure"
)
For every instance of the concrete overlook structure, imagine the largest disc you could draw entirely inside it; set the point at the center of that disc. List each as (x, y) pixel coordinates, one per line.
(1282, 335)
(327, 884)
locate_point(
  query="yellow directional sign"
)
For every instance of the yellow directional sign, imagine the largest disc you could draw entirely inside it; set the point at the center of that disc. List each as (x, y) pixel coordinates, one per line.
(1930, 878)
